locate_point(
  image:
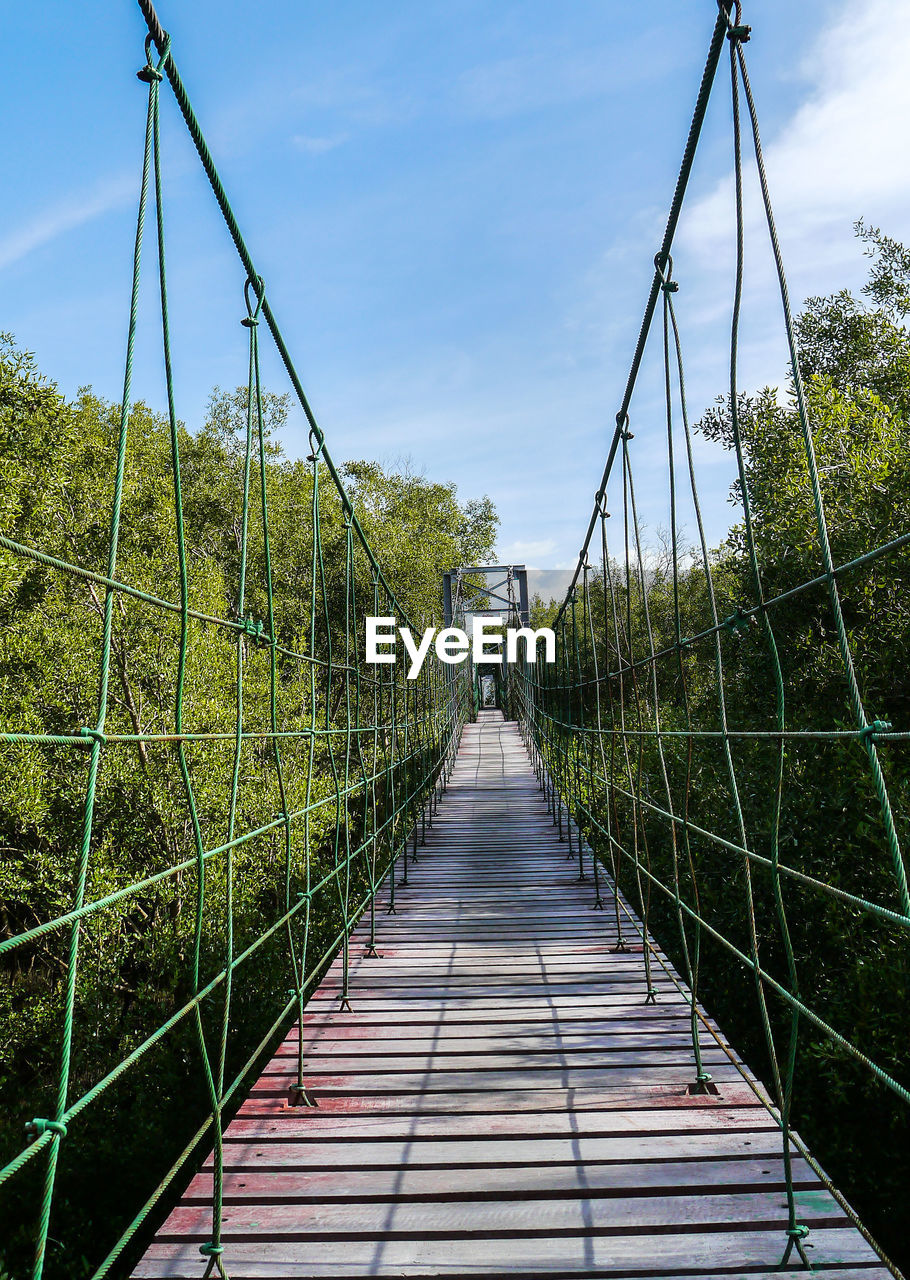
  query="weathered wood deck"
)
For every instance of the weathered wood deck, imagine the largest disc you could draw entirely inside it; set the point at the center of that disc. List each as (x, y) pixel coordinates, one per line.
(501, 1100)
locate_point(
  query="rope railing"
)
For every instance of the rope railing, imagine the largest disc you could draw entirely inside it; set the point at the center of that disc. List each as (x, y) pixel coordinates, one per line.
(702, 703)
(281, 777)
(714, 802)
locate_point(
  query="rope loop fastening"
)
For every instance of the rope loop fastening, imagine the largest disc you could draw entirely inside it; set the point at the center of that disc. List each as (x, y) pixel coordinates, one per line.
(738, 622)
(622, 422)
(316, 444)
(95, 734)
(37, 1127)
(660, 263)
(255, 629)
(211, 1250)
(150, 73)
(876, 726)
(251, 319)
(738, 32)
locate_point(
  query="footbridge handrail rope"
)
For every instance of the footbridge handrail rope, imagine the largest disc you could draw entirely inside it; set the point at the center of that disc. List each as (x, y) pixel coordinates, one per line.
(682, 783)
(348, 763)
(283, 781)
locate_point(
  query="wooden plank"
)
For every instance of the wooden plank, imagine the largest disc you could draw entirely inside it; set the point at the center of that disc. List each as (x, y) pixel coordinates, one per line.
(744, 1252)
(521, 1217)
(418, 1185)
(502, 1099)
(647, 1097)
(501, 1138)
(487, 1057)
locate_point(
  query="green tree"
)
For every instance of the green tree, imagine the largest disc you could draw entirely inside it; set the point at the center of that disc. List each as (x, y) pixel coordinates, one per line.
(59, 461)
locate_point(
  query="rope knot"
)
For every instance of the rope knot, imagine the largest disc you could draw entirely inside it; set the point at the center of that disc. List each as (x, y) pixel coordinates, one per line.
(95, 734)
(211, 1250)
(663, 265)
(316, 444)
(254, 628)
(151, 74)
(877, 726)
(737, 622)
(254, 302)
(35, 1128)
(740, 34)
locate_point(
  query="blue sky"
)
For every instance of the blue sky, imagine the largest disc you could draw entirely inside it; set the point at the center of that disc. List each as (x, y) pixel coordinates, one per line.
(455, 207)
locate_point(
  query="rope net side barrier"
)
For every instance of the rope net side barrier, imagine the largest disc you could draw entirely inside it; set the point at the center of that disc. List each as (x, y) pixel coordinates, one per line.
(719, 737)
(281, 778)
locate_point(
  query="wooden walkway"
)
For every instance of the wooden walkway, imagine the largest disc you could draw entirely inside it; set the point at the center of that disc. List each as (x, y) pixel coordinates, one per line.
(501, 1100)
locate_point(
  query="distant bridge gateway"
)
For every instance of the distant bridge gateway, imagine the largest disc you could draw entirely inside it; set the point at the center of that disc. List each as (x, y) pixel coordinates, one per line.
(480, 946)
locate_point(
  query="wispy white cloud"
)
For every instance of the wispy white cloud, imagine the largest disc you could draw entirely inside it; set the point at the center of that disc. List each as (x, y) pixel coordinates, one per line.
(513, 85)
(834, 158)
(363, 97)
(528, 552)
(535, 79)
(77, 209)
(838, 157)
(315, 146)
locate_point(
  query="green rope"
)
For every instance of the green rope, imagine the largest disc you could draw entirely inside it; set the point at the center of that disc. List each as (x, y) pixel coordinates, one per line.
(153, 77)
(617, 735)
(385, 779)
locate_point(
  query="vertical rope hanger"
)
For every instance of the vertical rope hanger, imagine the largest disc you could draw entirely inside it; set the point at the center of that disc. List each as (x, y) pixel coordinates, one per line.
(554, 711)
(783, 1082)
(213, 1249)
(432, 734)
(344, 889)
(691, 955)
(598, 736)
(50, 1132)
(617, 721)
(640, 834)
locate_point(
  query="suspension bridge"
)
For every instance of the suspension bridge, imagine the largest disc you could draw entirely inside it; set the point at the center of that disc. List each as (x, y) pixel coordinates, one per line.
(500, 1098)
(473, 943)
